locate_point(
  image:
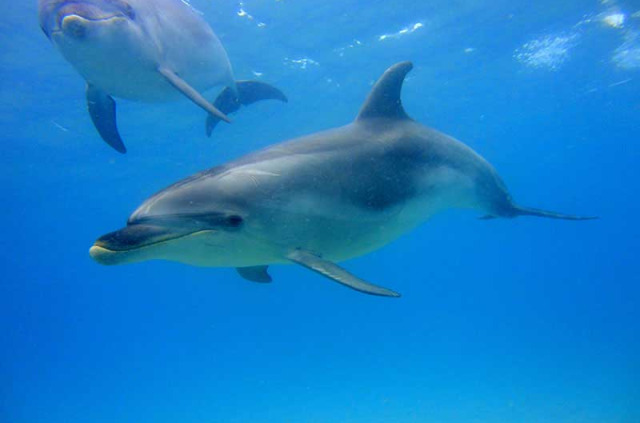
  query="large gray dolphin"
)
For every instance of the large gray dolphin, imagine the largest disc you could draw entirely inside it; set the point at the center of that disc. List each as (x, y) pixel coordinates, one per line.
(316, 200)
(146, 50)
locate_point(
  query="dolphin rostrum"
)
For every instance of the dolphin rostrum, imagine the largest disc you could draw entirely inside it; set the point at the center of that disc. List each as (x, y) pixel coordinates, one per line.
(146, 50)
(317, 200)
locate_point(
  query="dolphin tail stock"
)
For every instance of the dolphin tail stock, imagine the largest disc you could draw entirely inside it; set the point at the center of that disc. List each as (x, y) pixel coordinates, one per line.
(529, 211)
(245, 93)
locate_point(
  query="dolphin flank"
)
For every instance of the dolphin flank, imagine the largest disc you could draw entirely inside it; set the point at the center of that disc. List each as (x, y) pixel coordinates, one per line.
(146, 50)
(317, 200)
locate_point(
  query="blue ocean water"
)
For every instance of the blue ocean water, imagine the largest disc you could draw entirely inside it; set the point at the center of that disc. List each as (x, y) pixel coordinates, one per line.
(524, 320)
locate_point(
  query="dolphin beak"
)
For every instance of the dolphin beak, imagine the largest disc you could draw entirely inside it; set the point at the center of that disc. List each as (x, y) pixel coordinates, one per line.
(105, 256)
(77, 26)
(129, 243)
(135, 243)
(74, 26)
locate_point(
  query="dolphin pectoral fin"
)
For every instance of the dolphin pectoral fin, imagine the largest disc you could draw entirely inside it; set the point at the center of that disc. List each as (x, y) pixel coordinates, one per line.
(255, 273)
(248, 92)
(189, 92)
(102, 109)
(337, 273)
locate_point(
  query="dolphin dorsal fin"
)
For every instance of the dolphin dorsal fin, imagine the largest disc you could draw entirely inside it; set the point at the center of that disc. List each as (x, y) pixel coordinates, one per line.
(384, 99)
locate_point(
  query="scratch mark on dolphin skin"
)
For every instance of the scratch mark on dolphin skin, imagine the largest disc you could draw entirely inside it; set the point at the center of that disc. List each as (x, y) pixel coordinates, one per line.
(247, 172)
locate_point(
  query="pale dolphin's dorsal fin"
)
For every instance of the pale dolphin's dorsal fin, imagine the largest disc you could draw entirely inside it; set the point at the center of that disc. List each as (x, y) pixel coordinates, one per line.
(337, 273)
(255, 273)
(102, 109)
(190, 92)
(384, 99)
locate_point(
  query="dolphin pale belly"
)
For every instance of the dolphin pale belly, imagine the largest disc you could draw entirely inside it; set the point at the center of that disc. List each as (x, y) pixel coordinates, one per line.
(317, 200)
(146, 50)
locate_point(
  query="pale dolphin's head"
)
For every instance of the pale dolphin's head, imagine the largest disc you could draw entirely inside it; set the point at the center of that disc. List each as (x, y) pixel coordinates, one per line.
(92, 32)
(82, 19)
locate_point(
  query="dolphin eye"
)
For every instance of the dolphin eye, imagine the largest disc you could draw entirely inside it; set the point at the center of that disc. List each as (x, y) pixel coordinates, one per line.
(234, 220)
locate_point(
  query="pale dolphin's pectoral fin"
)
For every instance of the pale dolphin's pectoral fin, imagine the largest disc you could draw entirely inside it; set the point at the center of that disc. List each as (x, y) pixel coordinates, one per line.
(337, 273)
(384, 99)
(255, 273)
(102, 109)
(189, 92)
(247, 92)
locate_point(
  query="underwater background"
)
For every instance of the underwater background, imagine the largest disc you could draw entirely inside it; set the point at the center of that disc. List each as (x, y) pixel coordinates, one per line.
(523, 320)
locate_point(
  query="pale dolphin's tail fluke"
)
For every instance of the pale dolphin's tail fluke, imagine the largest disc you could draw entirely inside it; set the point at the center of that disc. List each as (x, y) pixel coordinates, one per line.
(527, 211)
(247, 92)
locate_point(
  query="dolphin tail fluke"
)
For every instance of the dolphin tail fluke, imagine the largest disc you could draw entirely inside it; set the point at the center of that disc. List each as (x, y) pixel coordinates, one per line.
(246, 92)
(527, 211)
(337, 273)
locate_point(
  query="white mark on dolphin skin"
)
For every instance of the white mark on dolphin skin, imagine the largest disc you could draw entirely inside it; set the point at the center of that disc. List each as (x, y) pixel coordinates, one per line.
(253, 175)
(548, 52)
(302, 63)
(258, 172)
(247, 172)
(407, 30)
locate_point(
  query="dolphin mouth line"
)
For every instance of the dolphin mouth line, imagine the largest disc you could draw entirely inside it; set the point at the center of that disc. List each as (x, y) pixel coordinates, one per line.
(108, 18)
(104, 248)
(61, 20)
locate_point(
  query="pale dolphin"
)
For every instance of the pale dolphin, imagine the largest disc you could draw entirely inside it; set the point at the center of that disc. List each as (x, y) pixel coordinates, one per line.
(146, 50)
(316, 200)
